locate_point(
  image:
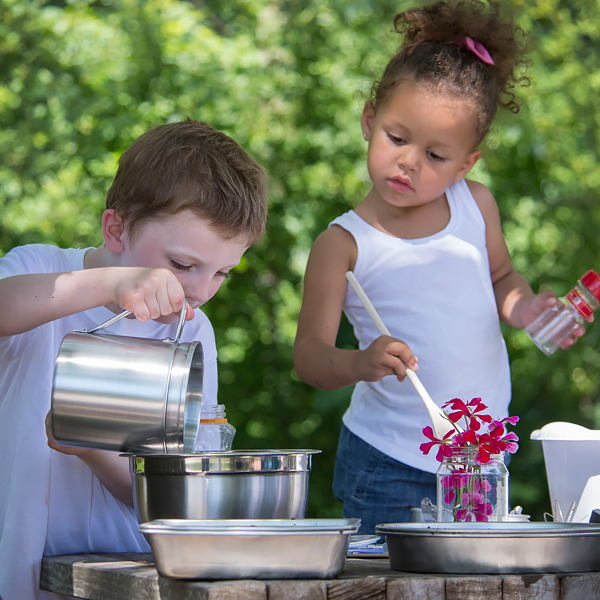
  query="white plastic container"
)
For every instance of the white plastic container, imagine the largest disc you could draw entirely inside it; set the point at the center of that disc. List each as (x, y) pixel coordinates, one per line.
(572, 457)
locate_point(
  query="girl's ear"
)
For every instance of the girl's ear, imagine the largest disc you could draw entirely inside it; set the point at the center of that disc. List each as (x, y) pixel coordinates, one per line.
(468, 165)
(113, 231)
(366, 121)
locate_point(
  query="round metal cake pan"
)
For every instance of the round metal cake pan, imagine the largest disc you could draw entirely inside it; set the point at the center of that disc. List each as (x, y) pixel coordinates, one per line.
(492, 548)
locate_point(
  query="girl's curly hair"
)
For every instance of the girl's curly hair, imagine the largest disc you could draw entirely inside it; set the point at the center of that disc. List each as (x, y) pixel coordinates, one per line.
(431, 57)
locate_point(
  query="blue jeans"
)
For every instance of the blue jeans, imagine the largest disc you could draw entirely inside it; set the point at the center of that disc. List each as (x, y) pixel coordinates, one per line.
(375, 487)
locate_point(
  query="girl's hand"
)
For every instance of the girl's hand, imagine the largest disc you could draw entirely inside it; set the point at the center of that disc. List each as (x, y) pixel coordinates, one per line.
(149, 293)
(536, 305)
(385, 356)
(539, 303)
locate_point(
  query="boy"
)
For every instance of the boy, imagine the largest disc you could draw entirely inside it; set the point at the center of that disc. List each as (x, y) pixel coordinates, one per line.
(185, 204)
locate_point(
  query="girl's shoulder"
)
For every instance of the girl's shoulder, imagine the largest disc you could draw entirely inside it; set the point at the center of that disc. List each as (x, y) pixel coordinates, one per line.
(335, 245)
(483, 197)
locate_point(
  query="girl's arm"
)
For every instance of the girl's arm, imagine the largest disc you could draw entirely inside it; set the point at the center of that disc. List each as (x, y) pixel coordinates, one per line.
(517, 304)
(318, 362)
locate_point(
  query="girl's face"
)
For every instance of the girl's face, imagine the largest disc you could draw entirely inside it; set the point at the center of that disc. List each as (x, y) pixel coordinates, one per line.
(419, 143)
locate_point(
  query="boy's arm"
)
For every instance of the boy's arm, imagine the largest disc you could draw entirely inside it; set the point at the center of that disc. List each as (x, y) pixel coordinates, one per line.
(517, 304)
(110, 468)
(318, 362)
(28, 301)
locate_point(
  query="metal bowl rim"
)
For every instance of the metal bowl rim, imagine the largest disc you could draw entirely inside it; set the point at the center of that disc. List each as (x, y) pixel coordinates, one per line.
(487, 530)
(221, 453)
(230, 463)
(219, 527)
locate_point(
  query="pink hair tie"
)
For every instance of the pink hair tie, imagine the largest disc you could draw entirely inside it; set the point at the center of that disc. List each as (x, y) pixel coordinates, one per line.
(475, 47)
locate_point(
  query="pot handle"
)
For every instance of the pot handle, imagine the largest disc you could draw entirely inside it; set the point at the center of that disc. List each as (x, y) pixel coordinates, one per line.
(118, 317)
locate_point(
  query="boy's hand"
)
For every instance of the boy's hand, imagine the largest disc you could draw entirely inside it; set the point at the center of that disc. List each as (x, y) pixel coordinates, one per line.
(150, 293)
(386, 356)
(55, 446)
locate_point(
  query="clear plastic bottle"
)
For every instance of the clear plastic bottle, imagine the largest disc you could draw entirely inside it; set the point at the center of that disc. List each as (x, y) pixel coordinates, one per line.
(557, 323)
(214, 432)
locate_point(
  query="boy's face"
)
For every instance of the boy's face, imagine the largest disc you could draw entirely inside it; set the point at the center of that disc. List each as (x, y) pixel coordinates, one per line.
(186, 245)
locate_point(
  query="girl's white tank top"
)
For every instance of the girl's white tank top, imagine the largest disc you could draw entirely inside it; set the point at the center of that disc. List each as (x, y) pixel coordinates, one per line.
(435, 294)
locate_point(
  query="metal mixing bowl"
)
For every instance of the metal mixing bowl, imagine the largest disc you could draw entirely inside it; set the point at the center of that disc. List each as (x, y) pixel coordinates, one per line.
(250, 484)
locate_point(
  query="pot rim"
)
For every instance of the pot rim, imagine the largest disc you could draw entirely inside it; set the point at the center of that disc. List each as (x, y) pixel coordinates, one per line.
(230, 461)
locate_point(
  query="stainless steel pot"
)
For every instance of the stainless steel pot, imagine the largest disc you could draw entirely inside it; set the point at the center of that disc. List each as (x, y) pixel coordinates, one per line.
(250, 484)
(127, 394)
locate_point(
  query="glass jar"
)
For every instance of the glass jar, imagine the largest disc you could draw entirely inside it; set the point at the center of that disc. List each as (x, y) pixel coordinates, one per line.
(468, 490)
(214, 432)
(557, 323)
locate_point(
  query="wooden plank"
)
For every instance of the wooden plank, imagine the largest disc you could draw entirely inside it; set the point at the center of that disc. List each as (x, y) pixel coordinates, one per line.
(370, 588)
(470, 587)
(584, 586)
(355, 568)
(530, 587)
(179, 589)
(297, 590)
(411, 588)
(97, 577)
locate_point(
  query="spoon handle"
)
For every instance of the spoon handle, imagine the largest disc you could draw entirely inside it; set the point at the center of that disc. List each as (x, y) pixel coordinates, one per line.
(440, 422)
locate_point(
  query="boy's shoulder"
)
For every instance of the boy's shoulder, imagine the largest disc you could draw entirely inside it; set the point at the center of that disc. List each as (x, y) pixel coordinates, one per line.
(42, 258)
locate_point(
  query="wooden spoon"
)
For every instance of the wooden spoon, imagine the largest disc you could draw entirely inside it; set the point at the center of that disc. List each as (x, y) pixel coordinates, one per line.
(439, 420)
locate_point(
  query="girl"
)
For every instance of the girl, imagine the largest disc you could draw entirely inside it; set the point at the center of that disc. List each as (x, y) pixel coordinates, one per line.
(427, 247)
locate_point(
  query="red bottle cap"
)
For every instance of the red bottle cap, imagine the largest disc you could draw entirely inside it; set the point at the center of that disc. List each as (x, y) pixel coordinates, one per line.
(591, 280)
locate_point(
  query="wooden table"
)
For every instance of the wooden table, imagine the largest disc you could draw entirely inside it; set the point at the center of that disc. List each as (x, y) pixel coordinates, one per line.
(134, 577)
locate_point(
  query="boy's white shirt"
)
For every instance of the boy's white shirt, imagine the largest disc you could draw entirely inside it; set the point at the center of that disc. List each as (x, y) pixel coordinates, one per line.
(51, 503)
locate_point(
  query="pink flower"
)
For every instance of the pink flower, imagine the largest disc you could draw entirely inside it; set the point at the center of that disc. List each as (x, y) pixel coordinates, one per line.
(444, 444)
(494, 441)
(466, 490)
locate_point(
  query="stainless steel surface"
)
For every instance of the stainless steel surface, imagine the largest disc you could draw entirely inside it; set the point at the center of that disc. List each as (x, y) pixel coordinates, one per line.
(493, 548)
(242, 549)
(253, 484)
(127, 394)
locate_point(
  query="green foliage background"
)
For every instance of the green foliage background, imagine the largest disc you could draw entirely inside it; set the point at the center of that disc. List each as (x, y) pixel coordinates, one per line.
(80, 80)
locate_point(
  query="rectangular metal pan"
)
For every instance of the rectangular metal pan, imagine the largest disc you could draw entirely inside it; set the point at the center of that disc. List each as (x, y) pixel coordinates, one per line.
(493, 548)
(250, 549)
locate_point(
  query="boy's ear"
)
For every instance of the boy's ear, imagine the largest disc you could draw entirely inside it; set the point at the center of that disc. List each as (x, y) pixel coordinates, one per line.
(366, 121)
(468, 165)
(113, 231)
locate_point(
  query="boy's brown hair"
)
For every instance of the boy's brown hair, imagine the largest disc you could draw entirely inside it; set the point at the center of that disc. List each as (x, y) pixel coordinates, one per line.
(190, 165)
